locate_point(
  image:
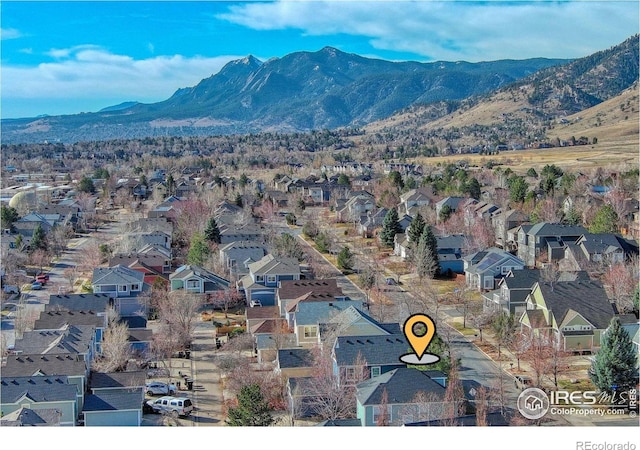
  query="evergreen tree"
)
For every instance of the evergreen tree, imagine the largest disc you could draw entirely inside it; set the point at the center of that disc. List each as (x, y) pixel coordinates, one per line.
(252, 410)
(473, 188)
(390, 227)
(198, 251)
(345, 259)
(416, 228)
(9, 215)
(38, 240)
(605, 221)
(614, 366)
(445, 213)
(212, 232)
(171, 185)
(86, 185)
(426, 255)
(517, 188)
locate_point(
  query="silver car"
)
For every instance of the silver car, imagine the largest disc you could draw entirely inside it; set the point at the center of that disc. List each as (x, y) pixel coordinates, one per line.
(160, 388)
(174, 406)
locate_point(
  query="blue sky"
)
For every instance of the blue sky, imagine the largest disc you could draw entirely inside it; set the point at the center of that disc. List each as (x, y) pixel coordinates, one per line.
(71, 57)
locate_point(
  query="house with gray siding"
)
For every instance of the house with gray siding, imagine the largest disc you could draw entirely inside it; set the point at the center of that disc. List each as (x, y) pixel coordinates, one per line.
(546, 238)
(483, 270)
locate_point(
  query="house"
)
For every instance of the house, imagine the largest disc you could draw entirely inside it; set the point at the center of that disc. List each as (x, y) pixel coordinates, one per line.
(71, 339)
(267, 345)
(109, 409)
(372, 355)
(264, 277)
(236, 256)
(414, 199)
(40, 392)
(483, 270)
(99, 303)
(103, 382)
(295, 362)
(150, 225)
(505, 220)
(154, 266)
(27, 417)
(371, 221)
(451, 202)
(307, 318)
(196, 280)
(547, 239)
(572, 314)
(450, 253)
(403, 395)
(60, 320)
(354, 322)
(125, 285)
(603, 248)
(307, 290)
(358, 204)
(247, 232)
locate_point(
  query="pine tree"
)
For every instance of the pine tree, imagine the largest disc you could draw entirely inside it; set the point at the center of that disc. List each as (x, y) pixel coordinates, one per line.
(345, 259)
(212, 232)
(390, 227)
(252, 410)
(426, 255)
(199, 251)
(614, 367)
(415, 228)
(605, 221)
(38, 240)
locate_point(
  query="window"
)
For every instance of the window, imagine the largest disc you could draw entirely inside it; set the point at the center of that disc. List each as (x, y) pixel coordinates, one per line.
(193, 284)
(375, 372)
(133, 287)
(259, 278)
(271, 278)
(310, 332)
(350, 373)
(122, 288)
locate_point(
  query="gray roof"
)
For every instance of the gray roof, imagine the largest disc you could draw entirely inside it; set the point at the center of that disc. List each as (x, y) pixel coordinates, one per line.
(267, 341)
(295, 357)
(101, 380)
(381, 350)
(73, 339)
(556, 229)
(401, 386)
(314, 313)
(586, 297)
(38, 389)
(28, 365)
(27, 417)
(521, 279)
(53, 320)
(453, 241)
(188, 271)
(79, 302)
(113, 401)
(272, 265)
(116, 275)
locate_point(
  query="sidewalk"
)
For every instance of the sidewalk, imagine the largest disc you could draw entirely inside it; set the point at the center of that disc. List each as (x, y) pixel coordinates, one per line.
(207, 388)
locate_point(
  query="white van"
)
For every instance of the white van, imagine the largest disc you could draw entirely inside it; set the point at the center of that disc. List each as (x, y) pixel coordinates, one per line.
(175, 406)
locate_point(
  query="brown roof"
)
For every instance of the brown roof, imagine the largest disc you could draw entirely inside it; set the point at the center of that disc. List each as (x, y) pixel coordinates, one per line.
(263, 312)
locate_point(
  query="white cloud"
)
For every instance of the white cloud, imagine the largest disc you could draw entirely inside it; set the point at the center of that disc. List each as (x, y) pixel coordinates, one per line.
(444, 30)
(9, 33)
(89, 72)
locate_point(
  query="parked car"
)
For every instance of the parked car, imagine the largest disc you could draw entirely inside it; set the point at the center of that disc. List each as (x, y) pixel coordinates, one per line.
(255, 303)
(175, 406)
(35, 286)
(42, 278)
(11, 289)
(160, 388)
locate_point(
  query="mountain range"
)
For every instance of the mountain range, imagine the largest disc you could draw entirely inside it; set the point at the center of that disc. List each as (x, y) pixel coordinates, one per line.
(330, 89)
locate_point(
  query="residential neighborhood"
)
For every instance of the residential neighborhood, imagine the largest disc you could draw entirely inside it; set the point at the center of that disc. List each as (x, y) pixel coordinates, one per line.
(298, 286)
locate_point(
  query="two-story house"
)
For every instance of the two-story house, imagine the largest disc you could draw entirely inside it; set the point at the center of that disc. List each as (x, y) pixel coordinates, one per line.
(264, 277)
(123, 284)
(572, 315)
(236, 256)
(196, 280)
(483, 270)
(545, 238)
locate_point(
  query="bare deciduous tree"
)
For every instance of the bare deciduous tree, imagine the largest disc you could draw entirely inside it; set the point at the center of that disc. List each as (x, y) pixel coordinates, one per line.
(115, 349)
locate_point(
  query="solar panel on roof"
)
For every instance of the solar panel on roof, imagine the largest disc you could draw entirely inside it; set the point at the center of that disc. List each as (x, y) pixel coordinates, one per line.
(489, 260)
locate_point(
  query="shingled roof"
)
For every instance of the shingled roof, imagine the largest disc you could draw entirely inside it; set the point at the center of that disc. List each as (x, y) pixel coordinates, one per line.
(375, 350)
(401, 386)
